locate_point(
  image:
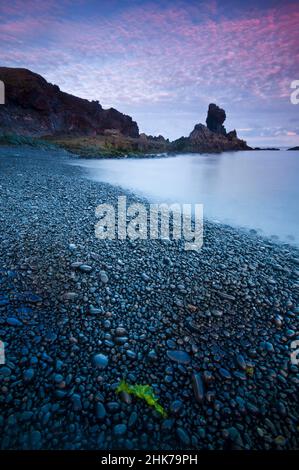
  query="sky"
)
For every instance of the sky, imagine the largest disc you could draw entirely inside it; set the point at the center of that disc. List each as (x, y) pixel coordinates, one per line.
(163, 62)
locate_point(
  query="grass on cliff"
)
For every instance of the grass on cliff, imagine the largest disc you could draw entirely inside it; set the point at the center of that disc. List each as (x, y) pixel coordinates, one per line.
(14, 139)
(97, 146)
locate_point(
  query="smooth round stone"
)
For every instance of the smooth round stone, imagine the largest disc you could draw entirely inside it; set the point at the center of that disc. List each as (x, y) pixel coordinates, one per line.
(94, 310)
(113, 406)
(121, 339)
(217, 313)
(152, 355)
(103, 276)
(171, 344)
(176, 407)
(28, 375)
(241, 361)
(131, 354)
(179, 356)
(120, 429)
(12, 321)
(100, 361)
(120, 331)
(70, 296)
(100, 411)
(267, 346)
(252, 408)
(225, 373)
(198, 387)
(183, 436)
(132, 419)
(126, 398)
(5, 371)
(107, 324)
(76, 400)
(278, 320)
(58, 378)
(85, 268)
(26, 416)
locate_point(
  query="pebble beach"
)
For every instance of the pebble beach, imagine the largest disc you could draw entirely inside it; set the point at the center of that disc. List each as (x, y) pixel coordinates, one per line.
(211, 332)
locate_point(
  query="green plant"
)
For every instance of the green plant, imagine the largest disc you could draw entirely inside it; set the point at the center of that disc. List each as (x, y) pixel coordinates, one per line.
(249, 371)
(15, 139)
(145, 392)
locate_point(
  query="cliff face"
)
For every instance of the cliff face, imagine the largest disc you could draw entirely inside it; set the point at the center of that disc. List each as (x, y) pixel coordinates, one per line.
(37, 108)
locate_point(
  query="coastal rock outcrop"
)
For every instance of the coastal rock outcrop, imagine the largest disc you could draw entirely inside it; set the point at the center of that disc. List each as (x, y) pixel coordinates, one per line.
(37, 108)
(210, 138)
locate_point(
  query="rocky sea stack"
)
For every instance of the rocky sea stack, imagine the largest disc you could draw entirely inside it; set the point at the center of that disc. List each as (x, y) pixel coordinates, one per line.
(212, 137)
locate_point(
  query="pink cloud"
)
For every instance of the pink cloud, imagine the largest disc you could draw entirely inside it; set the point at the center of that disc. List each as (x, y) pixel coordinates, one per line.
(178, 54)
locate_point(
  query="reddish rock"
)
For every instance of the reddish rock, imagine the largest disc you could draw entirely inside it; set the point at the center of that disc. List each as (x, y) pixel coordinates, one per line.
(37, 108)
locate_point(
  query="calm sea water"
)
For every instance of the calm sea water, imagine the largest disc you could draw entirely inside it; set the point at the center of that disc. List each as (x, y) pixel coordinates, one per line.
(253, 189)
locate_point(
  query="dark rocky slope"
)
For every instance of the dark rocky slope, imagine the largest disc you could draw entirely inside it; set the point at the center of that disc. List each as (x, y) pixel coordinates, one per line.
(38, 108)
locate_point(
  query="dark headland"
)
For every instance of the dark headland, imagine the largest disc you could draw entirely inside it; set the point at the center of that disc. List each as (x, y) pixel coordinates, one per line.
(37, 109)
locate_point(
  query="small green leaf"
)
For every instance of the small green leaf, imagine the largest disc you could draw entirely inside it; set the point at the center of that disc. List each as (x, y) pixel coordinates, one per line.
(145, 392)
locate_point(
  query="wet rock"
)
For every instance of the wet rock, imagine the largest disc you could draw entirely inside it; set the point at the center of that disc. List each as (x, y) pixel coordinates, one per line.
(28, 375)
(225, 374)
(12, 321)
(132, 419)
(76, 401)
(104, 277)
(69, 296)
(85, 268)
(131, 354)
(198, 387)
(178, 356)
(241, 361)
(176, 407)
(100, 361)
(100, 411)
(5, 371)
(120, 430)
(120, 331)
(267, 346)
(183, 436)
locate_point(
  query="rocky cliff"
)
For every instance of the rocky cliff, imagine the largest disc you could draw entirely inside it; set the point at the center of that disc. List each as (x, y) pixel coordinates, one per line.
(37, 108)
(210, 138)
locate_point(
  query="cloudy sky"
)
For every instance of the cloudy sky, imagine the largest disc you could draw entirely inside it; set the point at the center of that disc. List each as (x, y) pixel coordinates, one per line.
(164, 61)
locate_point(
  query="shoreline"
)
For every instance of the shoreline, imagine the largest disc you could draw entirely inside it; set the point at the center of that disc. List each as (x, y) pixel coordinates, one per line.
(232, 308)
(86, 153)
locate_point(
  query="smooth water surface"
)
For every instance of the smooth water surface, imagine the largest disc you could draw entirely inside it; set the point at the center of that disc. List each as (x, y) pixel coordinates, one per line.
(253, 189)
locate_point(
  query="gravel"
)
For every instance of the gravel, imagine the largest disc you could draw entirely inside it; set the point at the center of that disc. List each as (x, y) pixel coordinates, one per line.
(210, 332)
